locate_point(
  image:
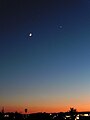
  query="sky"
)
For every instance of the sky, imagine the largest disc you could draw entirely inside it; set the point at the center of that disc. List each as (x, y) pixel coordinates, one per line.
(50, 70)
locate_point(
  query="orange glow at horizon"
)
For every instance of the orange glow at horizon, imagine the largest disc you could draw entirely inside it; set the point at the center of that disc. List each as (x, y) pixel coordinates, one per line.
(45, 109)
(48, 106)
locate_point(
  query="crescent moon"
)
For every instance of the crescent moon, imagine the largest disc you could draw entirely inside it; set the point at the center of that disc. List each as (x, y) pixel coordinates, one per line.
(30, 34)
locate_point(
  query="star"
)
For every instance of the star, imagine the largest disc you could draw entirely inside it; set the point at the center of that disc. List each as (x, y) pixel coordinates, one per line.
(60, 26)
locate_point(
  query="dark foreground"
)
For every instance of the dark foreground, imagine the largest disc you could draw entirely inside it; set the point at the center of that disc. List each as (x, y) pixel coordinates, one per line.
(46, 116)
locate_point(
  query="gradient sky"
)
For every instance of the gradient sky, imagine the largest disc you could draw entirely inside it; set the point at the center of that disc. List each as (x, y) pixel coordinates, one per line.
(50, 71)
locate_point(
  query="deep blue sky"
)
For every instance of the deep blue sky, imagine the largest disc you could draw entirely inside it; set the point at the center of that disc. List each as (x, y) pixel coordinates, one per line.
(51, 68)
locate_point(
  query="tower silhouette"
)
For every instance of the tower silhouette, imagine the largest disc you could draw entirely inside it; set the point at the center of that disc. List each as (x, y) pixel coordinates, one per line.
(2, 109)
(26, 110)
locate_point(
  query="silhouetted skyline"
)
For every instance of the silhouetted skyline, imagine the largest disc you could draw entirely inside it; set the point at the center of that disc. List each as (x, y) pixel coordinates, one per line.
(72, 114)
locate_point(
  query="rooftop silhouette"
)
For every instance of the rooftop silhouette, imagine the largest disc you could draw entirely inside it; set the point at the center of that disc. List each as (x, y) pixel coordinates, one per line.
(72, 114)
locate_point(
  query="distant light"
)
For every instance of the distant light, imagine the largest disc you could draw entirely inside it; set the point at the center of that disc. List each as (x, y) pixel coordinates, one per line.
(85, 114)
(6, 115)
(30, 34)
(77, 118)
(54, 116)
(67, 116)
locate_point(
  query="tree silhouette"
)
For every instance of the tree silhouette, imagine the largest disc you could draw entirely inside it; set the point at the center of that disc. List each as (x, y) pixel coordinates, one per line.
(73, 113)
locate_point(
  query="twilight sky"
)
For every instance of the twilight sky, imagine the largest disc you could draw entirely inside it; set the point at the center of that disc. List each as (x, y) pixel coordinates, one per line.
(49, 71)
